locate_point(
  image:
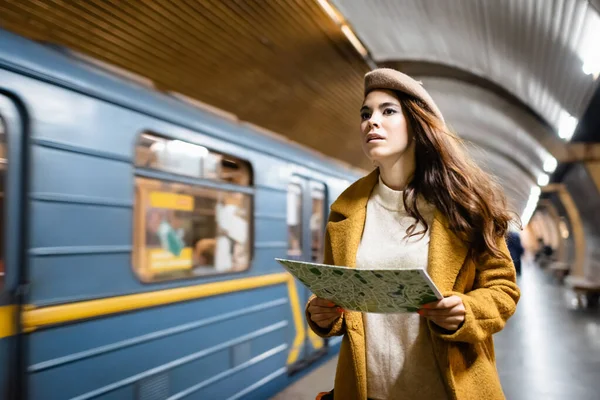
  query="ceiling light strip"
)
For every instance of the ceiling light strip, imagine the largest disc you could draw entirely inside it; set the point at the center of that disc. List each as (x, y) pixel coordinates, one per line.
(339, 20)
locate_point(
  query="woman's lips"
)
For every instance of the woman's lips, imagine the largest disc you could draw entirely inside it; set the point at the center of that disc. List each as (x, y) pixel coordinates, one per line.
(373, 136)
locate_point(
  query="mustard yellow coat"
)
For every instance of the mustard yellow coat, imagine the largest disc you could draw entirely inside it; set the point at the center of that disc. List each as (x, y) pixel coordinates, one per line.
(488, 290)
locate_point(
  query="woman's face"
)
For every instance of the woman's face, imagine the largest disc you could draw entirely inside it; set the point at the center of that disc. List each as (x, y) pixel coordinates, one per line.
(384, 131)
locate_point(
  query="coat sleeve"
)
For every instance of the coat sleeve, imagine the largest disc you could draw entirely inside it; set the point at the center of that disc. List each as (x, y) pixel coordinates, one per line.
(339, 326)
(491, 302)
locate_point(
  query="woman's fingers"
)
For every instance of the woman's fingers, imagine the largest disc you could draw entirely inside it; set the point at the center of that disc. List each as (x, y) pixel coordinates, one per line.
(324, 317)
(317, 301)
(449, 323)
(448, 306)
(317, 309)
(326, 323)
(323, 312)
(448, 313)
(447, 320)
(445, 303)
(324, 320)
(318, 305)
(457, 310)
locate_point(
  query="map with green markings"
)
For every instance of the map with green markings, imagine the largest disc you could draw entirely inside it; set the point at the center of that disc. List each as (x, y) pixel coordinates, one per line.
(366, 290)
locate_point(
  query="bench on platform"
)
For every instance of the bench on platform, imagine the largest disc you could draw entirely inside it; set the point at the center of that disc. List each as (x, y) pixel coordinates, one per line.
(545, 261)
(584, 288)
(559, 270)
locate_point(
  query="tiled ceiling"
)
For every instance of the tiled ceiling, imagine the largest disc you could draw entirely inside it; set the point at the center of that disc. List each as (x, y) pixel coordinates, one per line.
(283, 65)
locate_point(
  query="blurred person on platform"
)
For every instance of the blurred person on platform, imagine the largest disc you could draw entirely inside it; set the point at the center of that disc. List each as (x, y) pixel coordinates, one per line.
(513, 241)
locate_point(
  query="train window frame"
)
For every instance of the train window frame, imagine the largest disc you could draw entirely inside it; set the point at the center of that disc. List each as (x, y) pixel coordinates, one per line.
(171, 193)
(176, 150)
(306, 190)
(320, 188)
(298, 215)
(4, 165)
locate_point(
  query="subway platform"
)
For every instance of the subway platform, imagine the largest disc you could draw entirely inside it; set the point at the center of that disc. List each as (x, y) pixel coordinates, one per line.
(549, 349)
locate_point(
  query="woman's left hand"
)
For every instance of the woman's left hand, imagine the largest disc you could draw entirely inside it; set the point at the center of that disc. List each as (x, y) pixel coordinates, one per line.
(447, 313)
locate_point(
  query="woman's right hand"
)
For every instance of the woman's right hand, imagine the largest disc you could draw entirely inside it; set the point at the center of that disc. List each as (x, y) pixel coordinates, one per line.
(323, 312)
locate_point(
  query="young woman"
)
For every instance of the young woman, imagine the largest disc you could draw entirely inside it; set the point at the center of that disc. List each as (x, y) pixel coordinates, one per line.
(425, 205)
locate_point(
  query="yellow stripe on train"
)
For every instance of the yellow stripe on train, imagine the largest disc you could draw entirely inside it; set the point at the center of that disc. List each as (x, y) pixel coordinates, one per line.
(35, 318)
(8, 320)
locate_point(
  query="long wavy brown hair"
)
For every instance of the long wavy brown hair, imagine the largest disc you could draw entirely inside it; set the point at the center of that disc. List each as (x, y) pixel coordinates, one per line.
(471, 200)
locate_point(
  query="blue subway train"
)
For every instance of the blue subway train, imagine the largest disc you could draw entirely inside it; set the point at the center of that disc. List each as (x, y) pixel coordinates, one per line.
(139, 232)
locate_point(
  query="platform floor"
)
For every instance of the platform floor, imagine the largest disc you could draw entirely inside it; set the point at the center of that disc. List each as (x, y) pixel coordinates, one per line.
(548, 350)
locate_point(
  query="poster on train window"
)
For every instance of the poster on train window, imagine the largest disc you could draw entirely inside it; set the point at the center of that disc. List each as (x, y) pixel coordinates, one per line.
(366, 290)
(165, 229)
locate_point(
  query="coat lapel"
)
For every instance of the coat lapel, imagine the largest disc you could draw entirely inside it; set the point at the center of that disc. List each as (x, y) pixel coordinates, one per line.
(345, 238)
(447, 254)
(351, 210)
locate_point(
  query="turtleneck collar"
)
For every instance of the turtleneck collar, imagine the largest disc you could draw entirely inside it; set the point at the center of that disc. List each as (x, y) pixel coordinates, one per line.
(390, 199)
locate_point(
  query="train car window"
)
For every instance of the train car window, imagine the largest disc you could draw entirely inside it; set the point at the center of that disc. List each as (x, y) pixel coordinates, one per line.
(294, 219)
(185, 231)
(3, 166)
(183, 158)
(317, 221)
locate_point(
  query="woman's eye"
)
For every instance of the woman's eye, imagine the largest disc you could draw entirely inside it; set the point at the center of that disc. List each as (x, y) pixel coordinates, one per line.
(365, 115)
(389, 111)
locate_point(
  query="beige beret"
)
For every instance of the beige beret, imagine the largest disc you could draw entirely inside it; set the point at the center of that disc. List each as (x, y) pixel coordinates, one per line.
(387, 78)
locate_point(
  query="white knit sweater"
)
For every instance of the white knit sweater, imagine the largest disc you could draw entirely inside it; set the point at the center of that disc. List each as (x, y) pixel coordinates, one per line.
(400, 359)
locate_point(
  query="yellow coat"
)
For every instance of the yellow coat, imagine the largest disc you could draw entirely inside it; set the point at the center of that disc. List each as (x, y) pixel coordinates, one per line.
(488, 290)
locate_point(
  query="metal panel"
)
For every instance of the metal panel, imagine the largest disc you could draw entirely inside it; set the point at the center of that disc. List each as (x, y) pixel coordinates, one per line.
(155, 387)
(95, 226)
(77, 177)
(237, 379)
(189, 341)
(240, 353)
(134, 329)
(7, 346)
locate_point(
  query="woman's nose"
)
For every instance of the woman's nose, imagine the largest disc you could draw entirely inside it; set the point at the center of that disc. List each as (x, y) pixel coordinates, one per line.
(374, 122)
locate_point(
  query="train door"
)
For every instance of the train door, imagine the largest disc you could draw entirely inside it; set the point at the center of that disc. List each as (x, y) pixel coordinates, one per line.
(306, 235)
(11, 133)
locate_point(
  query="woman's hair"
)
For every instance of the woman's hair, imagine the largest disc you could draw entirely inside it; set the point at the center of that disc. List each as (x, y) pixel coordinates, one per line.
(446, 177)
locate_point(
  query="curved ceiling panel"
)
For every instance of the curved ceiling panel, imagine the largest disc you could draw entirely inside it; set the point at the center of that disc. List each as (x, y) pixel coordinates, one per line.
(516, 185)
(517, 158)
(533, 48)
(500, 167)
(487, 120)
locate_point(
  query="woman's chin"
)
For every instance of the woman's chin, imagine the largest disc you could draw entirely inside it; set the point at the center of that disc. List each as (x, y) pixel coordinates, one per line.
(376, 155)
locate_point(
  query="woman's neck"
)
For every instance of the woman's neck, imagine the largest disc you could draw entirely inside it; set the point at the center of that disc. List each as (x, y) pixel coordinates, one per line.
(396, 174)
